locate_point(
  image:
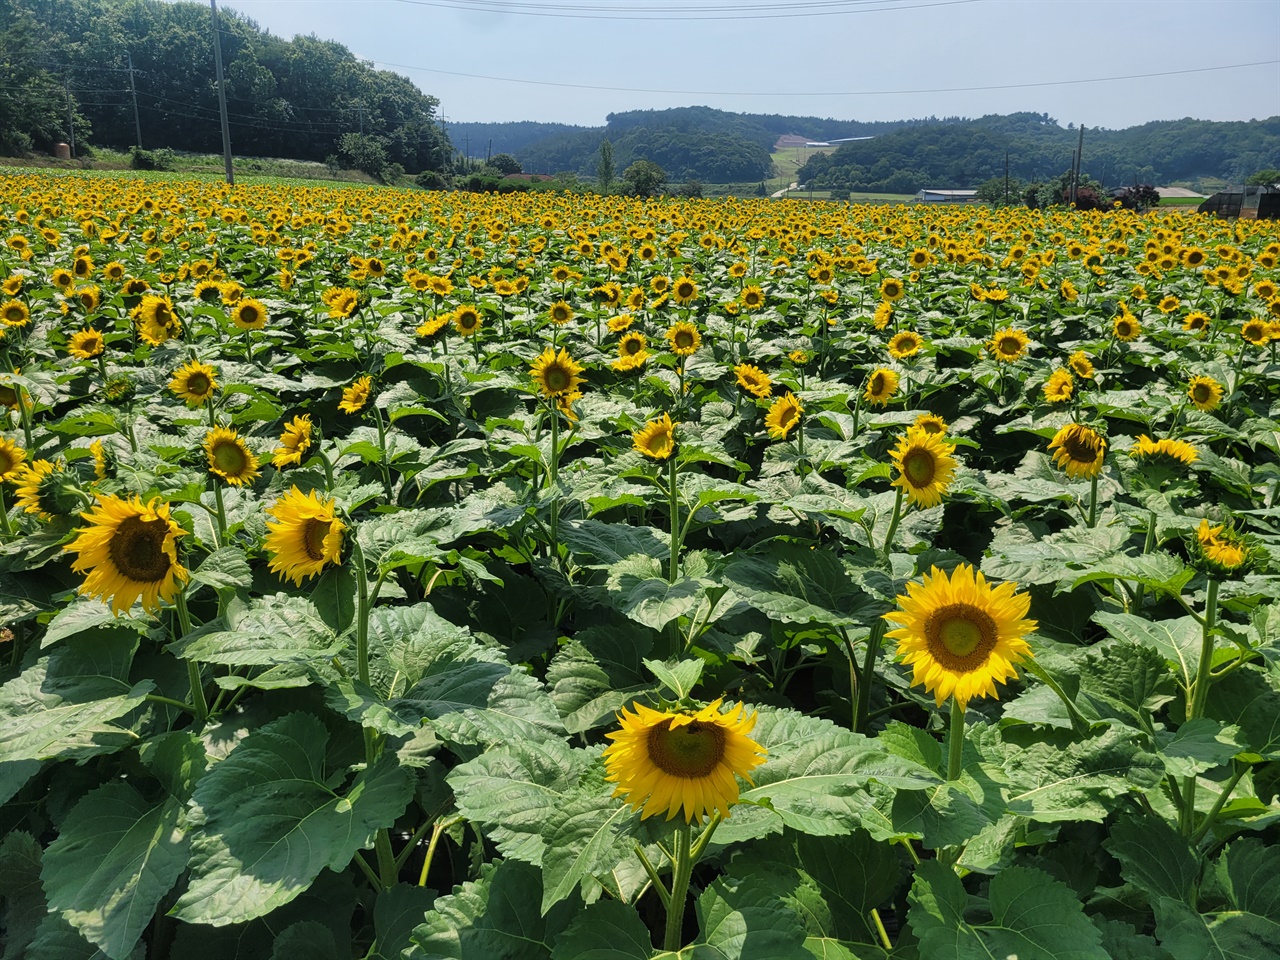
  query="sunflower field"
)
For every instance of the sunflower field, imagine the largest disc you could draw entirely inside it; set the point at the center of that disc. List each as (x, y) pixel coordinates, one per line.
(417, 575)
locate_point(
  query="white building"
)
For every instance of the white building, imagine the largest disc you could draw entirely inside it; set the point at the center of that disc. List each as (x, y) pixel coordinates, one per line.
(947, 196)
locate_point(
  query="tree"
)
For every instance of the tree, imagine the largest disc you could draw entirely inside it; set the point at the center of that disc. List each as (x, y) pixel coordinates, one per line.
(1263, 178)
(645, 178)
(364, 153)
(505, 164)
(604, 168)
(995, 193)
(1139, 197)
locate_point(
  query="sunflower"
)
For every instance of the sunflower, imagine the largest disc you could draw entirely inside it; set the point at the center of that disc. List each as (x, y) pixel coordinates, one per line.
(556, 374)
(229, 457)
(305, 536)
(128, 552)
(467, 321)
(194, 383)
(64, 280)
(207, 291)
(1222, 551)
(1080, 449)
(689, 761)
(684, 339)
(620, 322)
(430, 328)
(1205, 392)
(12, 458)
(633, 351)
(660, 284)
(684, 291)
(1179, 450)
(783, 416)
(86, 344)
(295, 440)
(356, 395)
(931, 423)
(1059, 387)
(1256, 332)
(1126, 326)
(560, 313)
(15, 314)
(752, 298)
(1168, 304)
(1081, 365)
(753, 380)
(1009, 344)
(35, 487)
(89, 298)
(961, 636)
(883, 315)
(249, 315)
(892, 289)
(1196, 323)
(925, 466)
(905, 344)
(656, 439)
(881, 386)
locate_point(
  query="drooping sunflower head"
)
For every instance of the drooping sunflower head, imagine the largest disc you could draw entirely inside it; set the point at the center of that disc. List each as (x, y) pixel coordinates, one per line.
(304, 536)
(129, 552)
(12, 457)
(295, 440)
(960, 635)
(925, 466)
(1081, 365)
(684, 339)
(620, 322)
(556, 373)
(883, 315)
(1144, 448)
(1205, 392)
(86, 344)
(656, 439)
(881, 386)
(194, 383)
(229, 457)
(1256, 332)
(1009, 344)
(1059, 387)
(905, 344)
(1080, 451)
(753, 380)
(249, 315)
(89, 298)
(682, 762)
(783, 416)
(40, 488)
(356, 395)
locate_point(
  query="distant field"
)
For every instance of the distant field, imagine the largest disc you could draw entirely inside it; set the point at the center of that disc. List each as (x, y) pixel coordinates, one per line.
(188, 166)
(790, 160)
(1181, 201)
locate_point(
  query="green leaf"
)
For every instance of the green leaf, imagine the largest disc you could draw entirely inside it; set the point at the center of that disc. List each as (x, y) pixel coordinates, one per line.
(1198, 746)
(607, 930)
(1244, 698)
(743, 921)
(493, 918)
(1154, 858)
(610, 543)
(1161, 572)
(1032, 916)
(478, 702)
(396, 913)
(1056, 557)
(114, 860)
(1189, 934)
(82, 615)
(796, 584)
(1122, 681)
(64, 705)
(654, 602)
(224, 569)
(590, 836)
(1178, 641)
(57, 940)
(266, 821)
(509, 789)
(21, 891)
(334, 596)
(680, 678)
(305, 940)
(266, 631)
(598, 672)
(1249, 873)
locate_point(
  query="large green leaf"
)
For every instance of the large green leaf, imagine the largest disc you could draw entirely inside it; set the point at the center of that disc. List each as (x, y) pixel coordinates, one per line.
(590, 837)
(1031, 915)
(268, 819)
(609, 543)
(493, 918)
(607, 930)
(739, 920)
(479, 702)
(265, 631)
(1178, 641)
(1246, 698)
(84, 614)
(1154, 858)
(395, 915)
(64, 705)
(794, 583)
(509, 789)
(114, 860)
(20, 864)
(1188, 934)
(598, 672)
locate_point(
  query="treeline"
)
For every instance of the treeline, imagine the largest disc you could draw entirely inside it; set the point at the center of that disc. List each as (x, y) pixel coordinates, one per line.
(959, 154)
(285, 98)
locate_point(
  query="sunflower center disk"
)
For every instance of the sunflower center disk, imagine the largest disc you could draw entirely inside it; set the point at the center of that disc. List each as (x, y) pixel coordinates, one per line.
(919, 468)
(1079, 449)
(229, 458)
(557, 379)
(960, 636)
(137, 549)
(313, 535)
(690, 751)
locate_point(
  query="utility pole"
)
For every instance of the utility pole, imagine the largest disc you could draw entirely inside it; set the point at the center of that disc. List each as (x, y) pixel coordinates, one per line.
(1006, 178)
(222, 95)
(71, 122)
(1075, 167)
(133, 92)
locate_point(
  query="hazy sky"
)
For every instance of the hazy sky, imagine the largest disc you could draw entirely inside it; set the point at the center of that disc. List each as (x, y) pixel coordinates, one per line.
(574, 61)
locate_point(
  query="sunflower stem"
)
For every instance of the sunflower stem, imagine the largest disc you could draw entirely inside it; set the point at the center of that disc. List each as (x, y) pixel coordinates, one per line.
(221, 533)
(6, 527)
(1199, 696)
(437, 831)
(387, 872)
(383, 466)
(955, 754)
(673, 500)
(661, 888)
(874, 641)
(681, 870)
(893, 524)
(199, 705)
(1147, 546)
(1093, 501)
(1239, 771)
(880, 930)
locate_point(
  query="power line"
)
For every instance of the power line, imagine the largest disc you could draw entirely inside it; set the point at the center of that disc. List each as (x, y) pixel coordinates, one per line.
(848, 93)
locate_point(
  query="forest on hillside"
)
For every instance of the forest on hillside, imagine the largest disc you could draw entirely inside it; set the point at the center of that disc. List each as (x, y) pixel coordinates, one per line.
(285, 98)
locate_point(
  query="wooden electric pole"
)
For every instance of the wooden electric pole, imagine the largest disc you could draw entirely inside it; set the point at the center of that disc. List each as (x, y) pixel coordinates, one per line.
(222, 95)
(133, 92)
(71, 119)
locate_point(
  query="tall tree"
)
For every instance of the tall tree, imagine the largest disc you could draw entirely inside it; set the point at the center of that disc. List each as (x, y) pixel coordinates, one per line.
(604, 168)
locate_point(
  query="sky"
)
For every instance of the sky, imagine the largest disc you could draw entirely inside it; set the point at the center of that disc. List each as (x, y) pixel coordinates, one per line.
(576, 61)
